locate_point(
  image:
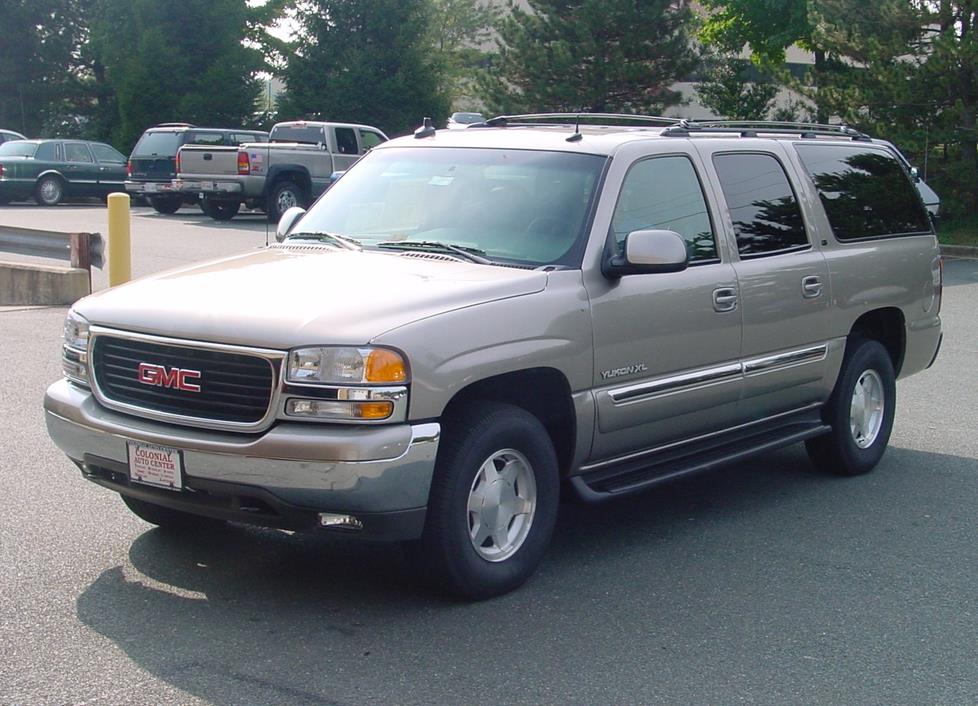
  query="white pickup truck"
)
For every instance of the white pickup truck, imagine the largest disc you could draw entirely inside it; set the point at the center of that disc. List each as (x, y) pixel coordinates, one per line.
(292, 169)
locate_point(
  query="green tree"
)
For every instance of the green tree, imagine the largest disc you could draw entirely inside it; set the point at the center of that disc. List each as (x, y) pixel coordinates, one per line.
(768, 28)
(182, 60)
(365, 61)
(598, 55)
(459, 33)
(911, 75)
(728, 92)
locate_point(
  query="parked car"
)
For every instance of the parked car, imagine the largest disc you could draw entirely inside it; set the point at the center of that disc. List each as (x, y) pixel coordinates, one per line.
(458, 121)
(50, 171)
(152, 164)
(470, 321)
(295, 166)
(8, 135)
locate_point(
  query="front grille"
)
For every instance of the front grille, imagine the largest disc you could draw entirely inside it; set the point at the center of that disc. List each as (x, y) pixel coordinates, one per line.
(234, 387)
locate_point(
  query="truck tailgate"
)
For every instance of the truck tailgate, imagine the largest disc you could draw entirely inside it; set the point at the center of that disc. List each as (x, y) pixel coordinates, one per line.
(207, 161)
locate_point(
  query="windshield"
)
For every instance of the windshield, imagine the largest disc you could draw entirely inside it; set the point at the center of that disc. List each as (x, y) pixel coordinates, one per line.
(18, 149)
(512, 206)
(157, 144)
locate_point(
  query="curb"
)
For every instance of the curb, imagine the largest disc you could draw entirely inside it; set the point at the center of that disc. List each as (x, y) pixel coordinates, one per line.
(965, 251)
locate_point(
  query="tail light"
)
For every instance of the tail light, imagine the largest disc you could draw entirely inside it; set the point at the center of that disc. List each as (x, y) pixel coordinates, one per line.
(1, 171)
(178, 163)
(244, 164)
(129, 169)
(937, 271)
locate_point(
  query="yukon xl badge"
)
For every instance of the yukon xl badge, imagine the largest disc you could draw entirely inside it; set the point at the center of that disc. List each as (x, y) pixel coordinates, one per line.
(627, 370)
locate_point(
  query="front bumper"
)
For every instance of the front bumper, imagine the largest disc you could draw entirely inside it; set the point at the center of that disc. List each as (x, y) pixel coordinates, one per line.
(281, 478)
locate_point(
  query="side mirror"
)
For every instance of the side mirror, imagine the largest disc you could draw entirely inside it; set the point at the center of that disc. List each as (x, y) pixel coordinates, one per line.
(286, 222)
(915, 175)
(648, 251)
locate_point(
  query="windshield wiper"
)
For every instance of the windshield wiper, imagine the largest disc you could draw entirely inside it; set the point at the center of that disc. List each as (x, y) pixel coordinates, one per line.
(321, 235)
(470, 254)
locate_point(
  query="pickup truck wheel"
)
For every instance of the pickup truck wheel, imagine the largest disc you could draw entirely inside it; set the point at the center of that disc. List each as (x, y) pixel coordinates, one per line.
(220, 210)
(166, 204)
(860, 412)
(49, 191)
(493, 503)
(164, 517)
(284, 196)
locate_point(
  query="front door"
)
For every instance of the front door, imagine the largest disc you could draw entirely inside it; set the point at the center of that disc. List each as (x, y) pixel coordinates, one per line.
(666, 345)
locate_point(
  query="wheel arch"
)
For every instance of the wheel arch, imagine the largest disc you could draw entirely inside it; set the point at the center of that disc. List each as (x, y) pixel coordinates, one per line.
(888, 326)
(543, 392)
(295, 173)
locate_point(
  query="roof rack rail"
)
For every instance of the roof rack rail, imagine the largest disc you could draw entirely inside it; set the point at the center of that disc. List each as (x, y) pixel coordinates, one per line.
(175, 125)
(750, 128)
(561, 118)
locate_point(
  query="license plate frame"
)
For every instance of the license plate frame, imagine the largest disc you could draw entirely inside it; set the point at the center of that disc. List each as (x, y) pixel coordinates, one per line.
(155, 465)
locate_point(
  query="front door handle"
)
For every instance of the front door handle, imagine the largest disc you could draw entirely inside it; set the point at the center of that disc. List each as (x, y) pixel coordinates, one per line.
(724, 299)
(811, 287)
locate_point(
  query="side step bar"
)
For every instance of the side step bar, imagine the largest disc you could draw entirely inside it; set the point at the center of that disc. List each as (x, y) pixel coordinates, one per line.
(626, 479)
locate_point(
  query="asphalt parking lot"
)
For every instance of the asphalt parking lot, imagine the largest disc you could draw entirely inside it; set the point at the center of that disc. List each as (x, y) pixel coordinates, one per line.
(761, 583)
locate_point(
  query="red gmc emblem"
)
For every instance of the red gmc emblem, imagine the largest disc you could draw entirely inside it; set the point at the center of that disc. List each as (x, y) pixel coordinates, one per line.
(159, 375)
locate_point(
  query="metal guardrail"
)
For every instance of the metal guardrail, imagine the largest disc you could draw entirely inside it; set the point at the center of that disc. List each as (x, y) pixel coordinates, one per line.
(82, 250)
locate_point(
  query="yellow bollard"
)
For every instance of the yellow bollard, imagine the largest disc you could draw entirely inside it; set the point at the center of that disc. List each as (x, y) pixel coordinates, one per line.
(120, 255)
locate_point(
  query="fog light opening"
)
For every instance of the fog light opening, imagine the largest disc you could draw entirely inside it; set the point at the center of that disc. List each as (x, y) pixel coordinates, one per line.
(335, 521)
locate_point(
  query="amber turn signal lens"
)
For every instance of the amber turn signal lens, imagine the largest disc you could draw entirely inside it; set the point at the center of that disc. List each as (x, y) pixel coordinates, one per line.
(385, 366)
(373, 410)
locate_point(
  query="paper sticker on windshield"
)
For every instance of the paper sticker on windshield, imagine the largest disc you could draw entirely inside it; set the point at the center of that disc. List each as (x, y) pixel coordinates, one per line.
(441, 180)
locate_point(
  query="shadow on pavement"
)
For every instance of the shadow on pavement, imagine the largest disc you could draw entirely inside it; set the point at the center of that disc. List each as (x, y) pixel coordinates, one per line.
(718, 584)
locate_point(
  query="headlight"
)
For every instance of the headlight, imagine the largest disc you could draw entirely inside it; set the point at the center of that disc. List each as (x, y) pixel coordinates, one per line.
(74, 352)
(355, 384)
(342, 366)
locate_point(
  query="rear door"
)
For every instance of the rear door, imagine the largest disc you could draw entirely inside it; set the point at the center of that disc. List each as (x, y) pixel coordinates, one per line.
(80, 169)
(666, 345)
(153, 157)
(347, 148)
(784, 287)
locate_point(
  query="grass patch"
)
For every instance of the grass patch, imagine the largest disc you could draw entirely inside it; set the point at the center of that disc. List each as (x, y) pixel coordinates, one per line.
(961, 231)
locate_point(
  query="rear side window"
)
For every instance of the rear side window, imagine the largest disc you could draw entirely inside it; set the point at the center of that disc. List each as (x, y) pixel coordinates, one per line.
(208, 138)
(346, 141)
(157, 144)
(239, 138)
(865, 192)
(765, 213)
(665, 193)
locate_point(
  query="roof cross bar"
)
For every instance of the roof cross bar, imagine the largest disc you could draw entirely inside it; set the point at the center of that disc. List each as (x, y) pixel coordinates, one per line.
(572, 118)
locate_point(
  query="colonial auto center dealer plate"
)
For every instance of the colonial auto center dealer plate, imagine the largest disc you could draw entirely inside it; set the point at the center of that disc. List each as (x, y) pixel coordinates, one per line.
(155, 465)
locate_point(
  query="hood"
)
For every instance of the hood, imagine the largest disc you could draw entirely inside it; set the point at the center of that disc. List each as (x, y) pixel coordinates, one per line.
(285, 296)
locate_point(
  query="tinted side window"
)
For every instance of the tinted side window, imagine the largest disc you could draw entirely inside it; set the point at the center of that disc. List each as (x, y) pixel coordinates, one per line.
(664, 193)
(765, 213)
(865, 192)
(104, 153)
(239, 138)
(208, 138)
(77, 152)
(369, 139)
(346, 141)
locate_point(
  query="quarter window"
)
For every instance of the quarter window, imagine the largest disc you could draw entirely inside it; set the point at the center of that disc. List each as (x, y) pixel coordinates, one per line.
(865, 192)
(665, 193)
(765, 213)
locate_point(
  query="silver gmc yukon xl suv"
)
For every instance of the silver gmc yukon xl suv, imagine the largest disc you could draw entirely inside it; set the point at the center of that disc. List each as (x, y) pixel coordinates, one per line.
(470, 322)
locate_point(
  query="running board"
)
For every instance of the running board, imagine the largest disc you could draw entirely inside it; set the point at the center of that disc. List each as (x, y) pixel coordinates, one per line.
(627, 478)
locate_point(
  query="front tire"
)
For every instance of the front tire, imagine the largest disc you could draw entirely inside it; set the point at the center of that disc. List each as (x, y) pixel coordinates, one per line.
(166, 205)
(493, 502)
(164, 517)
(860, 412)
(49, 191)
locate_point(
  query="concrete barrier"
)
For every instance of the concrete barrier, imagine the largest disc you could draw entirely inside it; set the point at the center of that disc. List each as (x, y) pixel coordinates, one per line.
(30, 284)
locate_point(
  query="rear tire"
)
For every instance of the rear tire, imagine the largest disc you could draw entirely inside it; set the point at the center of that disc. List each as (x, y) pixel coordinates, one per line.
(166, 518)
(220, 210)
(166, 204)
(284, 196)
(49, 191)
(492, 505)
(860, 412)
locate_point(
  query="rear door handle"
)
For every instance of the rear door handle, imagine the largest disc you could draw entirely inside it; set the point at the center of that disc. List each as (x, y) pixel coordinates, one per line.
(811, 287)
(724, 299)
